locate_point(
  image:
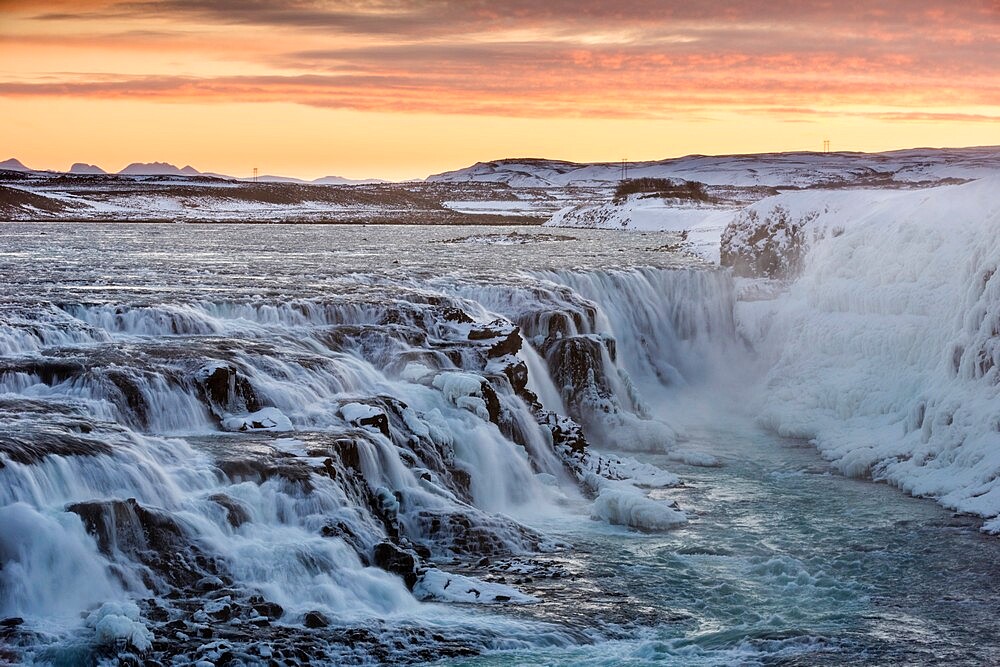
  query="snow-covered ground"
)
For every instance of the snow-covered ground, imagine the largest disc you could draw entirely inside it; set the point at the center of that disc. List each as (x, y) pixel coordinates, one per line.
(200, 198)
(515, 207)
(702, 224)
(775, 169)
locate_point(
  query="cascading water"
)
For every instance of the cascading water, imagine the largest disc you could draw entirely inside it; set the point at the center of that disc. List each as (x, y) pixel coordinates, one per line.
(202, 466)
(287, 448)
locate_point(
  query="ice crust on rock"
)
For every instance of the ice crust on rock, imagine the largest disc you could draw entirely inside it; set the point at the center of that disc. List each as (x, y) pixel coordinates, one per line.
(120, 624)
(265, 419)
(441, 586)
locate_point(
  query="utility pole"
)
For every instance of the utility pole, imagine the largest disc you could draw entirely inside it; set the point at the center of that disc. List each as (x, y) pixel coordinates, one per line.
(255, 174)
(826, 145)
(624, 169)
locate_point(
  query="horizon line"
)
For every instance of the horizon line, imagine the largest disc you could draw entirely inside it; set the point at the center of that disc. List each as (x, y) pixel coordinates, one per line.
(218, 174)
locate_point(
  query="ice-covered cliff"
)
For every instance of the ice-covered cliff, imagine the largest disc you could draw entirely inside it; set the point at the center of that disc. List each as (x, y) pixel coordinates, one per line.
(885, 348)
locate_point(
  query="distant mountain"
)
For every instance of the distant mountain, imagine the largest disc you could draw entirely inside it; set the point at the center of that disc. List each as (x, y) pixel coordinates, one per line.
(325, 180)
(167, 169)
(795, 169)
(13, 164)
(340, 180)
(84, 168)
(157, 169)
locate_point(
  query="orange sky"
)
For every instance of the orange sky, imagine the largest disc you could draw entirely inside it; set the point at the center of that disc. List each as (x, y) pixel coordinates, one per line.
(400, 89)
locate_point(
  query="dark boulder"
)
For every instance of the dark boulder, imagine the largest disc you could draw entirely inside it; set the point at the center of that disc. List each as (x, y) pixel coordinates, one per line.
(506, 335)
(396, 560)
(148, 536)
(269, 610)
(315, 620)
(226, 390)
(236, 513)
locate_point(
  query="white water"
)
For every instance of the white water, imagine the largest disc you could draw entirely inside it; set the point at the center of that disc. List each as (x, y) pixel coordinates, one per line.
(430, 446)
(270, 442)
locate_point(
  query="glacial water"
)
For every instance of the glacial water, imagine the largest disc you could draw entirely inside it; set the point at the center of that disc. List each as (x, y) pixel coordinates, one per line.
(785, 562)
(351, 445)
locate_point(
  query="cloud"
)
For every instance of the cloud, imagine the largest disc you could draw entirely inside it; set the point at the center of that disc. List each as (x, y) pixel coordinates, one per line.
(549, 96)
(631, 58)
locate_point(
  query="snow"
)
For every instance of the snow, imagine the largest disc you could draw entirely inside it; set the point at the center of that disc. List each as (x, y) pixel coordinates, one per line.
(415, 371)
(885, 351)
(119, 623)
(769, 169)
(464, 390)
(624, 507)
(441, 586)
(265, 419)
(621, 484)
(631, 470)
(290, 446)
(494, 207)
(354, 413)
(703, 224)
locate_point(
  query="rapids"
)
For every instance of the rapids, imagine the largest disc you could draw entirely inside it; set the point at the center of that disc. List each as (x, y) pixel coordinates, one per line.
(350, 445)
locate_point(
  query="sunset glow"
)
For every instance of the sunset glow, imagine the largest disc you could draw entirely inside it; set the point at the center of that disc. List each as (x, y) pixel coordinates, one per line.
(400, 89)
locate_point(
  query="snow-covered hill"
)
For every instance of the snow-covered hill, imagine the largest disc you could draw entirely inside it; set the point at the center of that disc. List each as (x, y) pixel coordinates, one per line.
(801, 169)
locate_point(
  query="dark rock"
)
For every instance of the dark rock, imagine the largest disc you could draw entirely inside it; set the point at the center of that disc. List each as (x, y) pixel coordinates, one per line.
(509, 337)
(11, 622)
(397, 560)
(226, 390)
(378, 421)
(260, 470)
(270, 610)
(349, 455)
(577, 362)
(474, 532)
(315, 619)
(565, 431)
(208, 584)
(236, 514)
(492, 402)
(132, 396)
(223, 613)
(456, 315)
(34, 445)
(517, 375)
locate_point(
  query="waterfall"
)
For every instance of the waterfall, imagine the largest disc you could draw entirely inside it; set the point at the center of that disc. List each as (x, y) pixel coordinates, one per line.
(320, 456)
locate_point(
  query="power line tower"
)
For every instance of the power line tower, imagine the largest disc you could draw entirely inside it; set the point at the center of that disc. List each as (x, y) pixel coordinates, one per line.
(255, 174)
(624, 169)
(826, 145)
